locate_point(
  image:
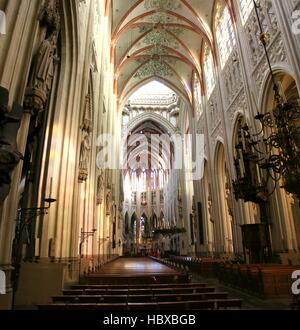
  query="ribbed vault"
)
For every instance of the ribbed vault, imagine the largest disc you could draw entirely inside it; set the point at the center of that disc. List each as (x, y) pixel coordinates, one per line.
(159, 39)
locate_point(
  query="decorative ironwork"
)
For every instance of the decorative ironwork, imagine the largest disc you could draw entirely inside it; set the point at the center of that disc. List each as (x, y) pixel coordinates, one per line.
(250, 185)
(84, 236)
(273, 153)
(25, 220)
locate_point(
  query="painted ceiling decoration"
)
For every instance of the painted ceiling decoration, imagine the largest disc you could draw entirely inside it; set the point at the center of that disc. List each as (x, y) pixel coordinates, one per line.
(157, 50)
(155, 66)
(161, 35)
(162, 4)
(160, 40)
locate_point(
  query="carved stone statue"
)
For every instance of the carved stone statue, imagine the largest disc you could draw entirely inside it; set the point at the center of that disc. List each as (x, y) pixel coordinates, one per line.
(229, 200)
(9, 154)
(50, 15)
(100, 188)
(108, 203)
(228, 193)
(210, 206)
(42, 74)
(84, 159)
(87, 116)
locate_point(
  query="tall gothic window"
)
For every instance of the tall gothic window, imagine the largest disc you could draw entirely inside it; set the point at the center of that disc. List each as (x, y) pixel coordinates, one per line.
(210, 80)
(224, 33)
(246, 9)
(197, 97)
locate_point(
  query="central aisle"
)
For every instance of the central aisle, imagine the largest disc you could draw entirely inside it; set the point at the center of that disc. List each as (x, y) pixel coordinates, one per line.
(135, 267)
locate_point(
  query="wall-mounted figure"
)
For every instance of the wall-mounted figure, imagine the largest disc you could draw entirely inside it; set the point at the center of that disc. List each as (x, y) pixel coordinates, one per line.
(9, 154)
(100, 188)
(84, 159)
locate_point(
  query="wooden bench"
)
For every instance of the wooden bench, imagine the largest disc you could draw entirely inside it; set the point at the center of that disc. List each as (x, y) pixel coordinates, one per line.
(143, 292)
(173, 305)
(190, 297)
(264, 280)
(201, 305)
(141, 299)
(276, 281)
(90, 299)
(82, 307)
(229, 304)
(136, 286)
(142, 306)
(102, 279)
(183, 290)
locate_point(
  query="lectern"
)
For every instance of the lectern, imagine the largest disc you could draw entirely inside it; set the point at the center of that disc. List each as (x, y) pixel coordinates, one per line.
(257, 243)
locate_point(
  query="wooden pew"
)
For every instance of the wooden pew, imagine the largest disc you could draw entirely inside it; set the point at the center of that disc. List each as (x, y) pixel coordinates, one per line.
(190, 297)
(229, 304)
(264, 280)
(141, 299)
(90, 299)
(142, 306)
(172, 305)
(201, 305)
(138, 286)
(82, 307)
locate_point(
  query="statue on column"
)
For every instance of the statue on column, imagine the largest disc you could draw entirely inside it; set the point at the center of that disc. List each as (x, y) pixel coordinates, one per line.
(210, 205)
(9, 154)
(87, 124)
(84, 159)
(42, 74)
(50, 15)
(43, 64)
(228, 194)
(100, 188)
(85, 148)
(108, 203)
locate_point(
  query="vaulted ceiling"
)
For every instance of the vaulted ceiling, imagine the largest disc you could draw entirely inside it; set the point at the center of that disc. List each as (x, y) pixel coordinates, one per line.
(159, 39)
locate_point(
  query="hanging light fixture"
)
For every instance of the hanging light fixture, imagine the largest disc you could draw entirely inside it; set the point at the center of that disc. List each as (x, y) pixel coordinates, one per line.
(273, 153)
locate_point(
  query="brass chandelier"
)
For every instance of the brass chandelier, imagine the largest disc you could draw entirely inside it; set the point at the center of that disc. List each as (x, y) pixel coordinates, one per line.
(273, 153)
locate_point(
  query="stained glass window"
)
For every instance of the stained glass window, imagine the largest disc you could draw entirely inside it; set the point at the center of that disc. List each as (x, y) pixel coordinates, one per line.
(246, 9)
(209, 71)
(224, 33)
